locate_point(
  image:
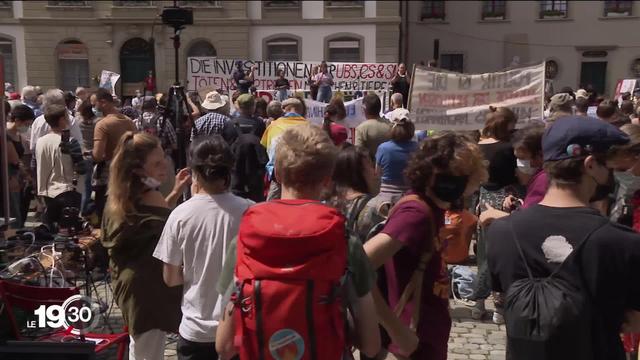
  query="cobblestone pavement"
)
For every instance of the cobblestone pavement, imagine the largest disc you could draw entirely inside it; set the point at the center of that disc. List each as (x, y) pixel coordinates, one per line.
(469, 339)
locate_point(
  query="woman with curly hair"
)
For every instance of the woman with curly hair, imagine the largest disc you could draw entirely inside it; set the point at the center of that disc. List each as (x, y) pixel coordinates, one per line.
(444, 169)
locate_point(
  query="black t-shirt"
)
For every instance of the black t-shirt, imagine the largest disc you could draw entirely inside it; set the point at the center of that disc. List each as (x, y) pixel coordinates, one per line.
(282, 82)
(242, 81)
(609, 263)
(400, 84)
(244, 125)
(502, 165)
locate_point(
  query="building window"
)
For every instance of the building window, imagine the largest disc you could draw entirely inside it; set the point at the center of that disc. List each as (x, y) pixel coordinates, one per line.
(618, 8)
(344, 3)
(132, 3)
(452, 62)
(281, 4)
(635, 68)
(283, 48)
(344, 49)
(494, 10)
(73, 62)
(5, 4)
(553, 9)
(198, 3)
(202, 48)
(70, 3)
(432, 10)
(6, 51)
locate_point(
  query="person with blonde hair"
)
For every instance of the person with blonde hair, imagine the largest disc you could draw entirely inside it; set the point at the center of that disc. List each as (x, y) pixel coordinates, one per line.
(133, 220)
(440, 173)
(306, 160)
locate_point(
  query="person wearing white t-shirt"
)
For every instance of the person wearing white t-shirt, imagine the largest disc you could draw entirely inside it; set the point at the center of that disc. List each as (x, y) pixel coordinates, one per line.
(194, 243)
(398, 112)
(59, 163)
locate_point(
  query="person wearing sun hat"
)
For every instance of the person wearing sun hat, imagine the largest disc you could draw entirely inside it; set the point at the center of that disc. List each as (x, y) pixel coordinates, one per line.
(600, 257)
(211, 123)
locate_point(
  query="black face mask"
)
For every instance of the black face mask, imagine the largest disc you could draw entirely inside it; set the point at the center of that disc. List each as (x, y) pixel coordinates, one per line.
(449, 188)
(603, 190)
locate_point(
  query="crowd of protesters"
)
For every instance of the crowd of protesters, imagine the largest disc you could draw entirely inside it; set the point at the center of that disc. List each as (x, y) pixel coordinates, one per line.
(278, 208)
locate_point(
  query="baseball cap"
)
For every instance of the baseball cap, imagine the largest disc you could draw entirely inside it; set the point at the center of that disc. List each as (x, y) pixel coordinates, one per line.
(575, 136)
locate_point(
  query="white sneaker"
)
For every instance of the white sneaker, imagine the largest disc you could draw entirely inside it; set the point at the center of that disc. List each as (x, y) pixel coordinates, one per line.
(498, 319)
(478, 311)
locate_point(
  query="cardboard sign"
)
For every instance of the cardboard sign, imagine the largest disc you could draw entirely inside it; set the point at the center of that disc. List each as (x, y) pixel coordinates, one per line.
(108, 80)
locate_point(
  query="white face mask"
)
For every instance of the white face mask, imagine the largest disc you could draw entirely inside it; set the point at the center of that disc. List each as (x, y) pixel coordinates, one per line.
(23, 129)
(151, 183)
(524, 166)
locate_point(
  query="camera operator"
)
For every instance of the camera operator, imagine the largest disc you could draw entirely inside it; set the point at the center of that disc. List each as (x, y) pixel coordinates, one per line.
(59, 163)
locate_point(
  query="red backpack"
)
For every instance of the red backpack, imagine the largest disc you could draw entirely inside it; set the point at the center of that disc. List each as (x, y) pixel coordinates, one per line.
(292, 256)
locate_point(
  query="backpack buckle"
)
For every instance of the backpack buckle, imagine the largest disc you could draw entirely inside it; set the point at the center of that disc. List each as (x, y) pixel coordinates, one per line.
(246, 304)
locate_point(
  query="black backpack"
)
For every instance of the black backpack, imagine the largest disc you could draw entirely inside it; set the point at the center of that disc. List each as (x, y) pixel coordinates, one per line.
(550, 317)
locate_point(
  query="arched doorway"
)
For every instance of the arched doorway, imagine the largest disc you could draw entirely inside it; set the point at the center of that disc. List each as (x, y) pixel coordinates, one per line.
(136, 60)
(73, 65)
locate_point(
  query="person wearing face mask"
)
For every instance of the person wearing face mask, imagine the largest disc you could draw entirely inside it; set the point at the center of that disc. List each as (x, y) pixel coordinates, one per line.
(134, 217)
(624, 161)
(18, 121)
(601, 258)
(87, 119)
(59, 165)
(495, 144)
(527, 144)
(441, 172)
(106, 136)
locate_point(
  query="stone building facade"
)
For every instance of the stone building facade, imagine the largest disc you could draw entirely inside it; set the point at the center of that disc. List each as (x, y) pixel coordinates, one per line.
(68, 43)
(584, 42)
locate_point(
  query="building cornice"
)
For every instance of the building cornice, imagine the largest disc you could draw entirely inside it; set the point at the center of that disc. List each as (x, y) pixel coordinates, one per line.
(393, 20)
(117, 21)
(43, 21)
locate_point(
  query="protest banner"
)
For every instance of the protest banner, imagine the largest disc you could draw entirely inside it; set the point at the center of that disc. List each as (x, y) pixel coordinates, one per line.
(210, 72)
(624, 86)
(355, 115)
(108, 80)
(453, 101)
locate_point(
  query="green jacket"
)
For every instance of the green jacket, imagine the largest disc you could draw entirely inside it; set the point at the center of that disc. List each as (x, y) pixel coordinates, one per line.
(138, 286)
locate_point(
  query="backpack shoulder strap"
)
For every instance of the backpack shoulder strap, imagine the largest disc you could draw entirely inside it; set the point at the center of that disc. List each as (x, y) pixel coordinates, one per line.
(413, 290)
(602, 223)
(357, 208)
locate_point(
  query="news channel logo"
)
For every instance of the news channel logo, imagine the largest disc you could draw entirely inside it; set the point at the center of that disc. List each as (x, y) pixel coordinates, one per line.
(78, 315)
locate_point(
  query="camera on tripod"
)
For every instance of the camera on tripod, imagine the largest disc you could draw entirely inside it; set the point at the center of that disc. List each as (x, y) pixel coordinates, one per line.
(71, 223)
(177, 17)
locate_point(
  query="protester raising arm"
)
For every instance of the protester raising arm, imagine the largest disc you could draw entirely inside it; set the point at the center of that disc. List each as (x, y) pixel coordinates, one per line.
(183, 179)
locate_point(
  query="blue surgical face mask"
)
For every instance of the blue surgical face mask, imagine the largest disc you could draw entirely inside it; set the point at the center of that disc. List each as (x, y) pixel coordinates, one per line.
(96, 112)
